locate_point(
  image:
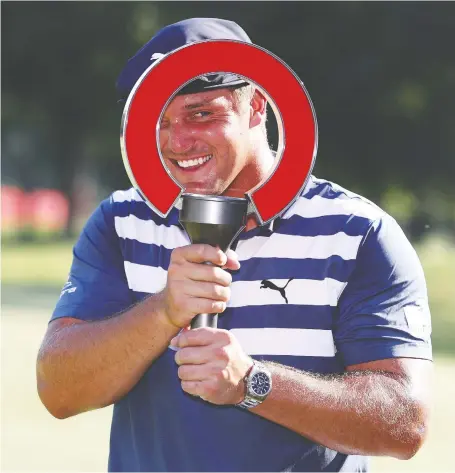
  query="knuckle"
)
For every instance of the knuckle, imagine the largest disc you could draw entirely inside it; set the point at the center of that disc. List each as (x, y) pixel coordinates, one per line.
(227, 277)
(201, 251)
(170, 271)
(211, 386)
(215, 291)
(176, 254)
(226, 294)
(201, 332)
(217, 306)
(221, 293)
(222, 375)
(182, 372)
(213, 272)
(202, 306)
(225, 337)
(208, 306)
(173, 270)
(177, 357)
(225, 375)
(221, 276)
(228, 336)
(222, 354)
(220, 257)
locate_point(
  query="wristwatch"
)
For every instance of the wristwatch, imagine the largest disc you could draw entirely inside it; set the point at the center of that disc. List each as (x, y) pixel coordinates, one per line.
(258, 384)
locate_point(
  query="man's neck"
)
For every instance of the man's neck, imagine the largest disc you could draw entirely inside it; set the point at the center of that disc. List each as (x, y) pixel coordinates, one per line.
(254, 173)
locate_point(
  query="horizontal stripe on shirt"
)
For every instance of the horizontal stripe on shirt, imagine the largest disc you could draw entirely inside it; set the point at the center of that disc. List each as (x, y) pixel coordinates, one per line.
(130, 195)
(277, 246)
(148, 232)
(255, 268)
(300, 247)
(318, 206)
(299, 291)
(285, 341)
(151, 280)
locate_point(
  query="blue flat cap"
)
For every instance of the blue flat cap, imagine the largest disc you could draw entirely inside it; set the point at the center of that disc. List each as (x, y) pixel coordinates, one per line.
(174, 36)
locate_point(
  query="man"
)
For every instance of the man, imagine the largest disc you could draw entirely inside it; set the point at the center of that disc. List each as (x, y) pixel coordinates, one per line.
(322, 356)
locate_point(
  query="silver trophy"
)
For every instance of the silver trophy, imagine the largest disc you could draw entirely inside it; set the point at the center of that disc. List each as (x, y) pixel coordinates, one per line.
(218, 220)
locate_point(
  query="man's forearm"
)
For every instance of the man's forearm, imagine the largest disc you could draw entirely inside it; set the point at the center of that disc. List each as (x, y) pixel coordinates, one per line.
(93, 364)
(364, 413)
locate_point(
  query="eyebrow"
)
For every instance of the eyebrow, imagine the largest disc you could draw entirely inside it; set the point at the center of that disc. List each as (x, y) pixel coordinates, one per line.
(201, 103)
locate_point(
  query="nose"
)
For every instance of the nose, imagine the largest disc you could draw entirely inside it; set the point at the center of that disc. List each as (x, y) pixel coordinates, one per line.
(176, 138)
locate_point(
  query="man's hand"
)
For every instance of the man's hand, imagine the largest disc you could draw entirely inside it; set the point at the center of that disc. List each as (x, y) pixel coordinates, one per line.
(193, 288)
(212, 365)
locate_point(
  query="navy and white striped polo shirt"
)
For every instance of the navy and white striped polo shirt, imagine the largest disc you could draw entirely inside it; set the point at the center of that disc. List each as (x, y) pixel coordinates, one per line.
(333, 283)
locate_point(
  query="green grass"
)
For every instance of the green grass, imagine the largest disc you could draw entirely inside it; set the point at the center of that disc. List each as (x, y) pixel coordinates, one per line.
(438, 260)
(34, 271)
(37, 264)
(44, 267)
(80, 444)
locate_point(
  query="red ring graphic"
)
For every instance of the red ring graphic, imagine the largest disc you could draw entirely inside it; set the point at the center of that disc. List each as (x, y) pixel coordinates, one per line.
(160, 82)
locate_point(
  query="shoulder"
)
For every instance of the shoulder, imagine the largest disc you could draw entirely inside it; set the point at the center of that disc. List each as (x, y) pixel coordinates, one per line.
(135, 222)
(117, 204)
(337, 218)
(125, 201)
(325, 198)
(128, 195)
(123, 213)
(130, 204)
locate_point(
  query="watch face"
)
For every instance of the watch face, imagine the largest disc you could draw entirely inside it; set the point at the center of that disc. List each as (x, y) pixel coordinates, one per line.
(260, 384)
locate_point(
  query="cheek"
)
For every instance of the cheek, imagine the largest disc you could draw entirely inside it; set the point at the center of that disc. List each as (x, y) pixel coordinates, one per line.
(222, 138)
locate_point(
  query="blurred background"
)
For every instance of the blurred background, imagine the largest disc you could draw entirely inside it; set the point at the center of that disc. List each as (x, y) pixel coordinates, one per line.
(381, 76)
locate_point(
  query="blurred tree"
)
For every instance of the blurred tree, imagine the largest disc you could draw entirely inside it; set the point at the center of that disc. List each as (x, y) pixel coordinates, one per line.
(381, 76)
(59, 62)
(382, 79)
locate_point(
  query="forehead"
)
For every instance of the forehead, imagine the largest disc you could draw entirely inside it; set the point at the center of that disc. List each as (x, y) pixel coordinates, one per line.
(216, 98)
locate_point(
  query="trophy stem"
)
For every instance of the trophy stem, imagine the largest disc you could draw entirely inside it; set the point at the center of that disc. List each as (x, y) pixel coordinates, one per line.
(214, 221)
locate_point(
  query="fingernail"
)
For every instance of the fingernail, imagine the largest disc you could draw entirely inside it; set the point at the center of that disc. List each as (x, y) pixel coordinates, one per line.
(174, 342)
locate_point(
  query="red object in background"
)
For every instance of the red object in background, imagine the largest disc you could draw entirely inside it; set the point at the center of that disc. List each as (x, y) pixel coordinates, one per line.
(48, 210)
(42, 210)
(13, 200)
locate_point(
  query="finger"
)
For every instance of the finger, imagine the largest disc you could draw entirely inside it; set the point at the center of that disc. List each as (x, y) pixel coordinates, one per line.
(194, 388)
(197, 372)
(198, 337)
(200, 253)
(203, 272)
(232, 261)
(194, 355)
(199, 305)
(207, 290)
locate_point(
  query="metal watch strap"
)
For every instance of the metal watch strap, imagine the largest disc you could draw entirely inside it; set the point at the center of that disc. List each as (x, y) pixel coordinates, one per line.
(249, 401)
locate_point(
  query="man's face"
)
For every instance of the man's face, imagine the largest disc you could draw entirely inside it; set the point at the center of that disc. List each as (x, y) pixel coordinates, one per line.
(205, 142)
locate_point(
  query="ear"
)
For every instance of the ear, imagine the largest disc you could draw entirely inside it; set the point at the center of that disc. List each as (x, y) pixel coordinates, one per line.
(258, 107)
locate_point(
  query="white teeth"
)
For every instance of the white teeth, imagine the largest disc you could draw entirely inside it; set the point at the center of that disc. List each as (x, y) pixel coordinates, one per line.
(194, 162)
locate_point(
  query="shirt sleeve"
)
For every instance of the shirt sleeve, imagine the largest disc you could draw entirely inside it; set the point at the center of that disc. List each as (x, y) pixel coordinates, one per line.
(383, 310)
(97, 286)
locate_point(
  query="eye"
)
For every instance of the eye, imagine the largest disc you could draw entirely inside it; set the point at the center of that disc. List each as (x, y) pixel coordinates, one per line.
(201, 114)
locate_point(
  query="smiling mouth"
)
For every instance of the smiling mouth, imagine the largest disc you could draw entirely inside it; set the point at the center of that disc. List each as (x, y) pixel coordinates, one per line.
(192, 164)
